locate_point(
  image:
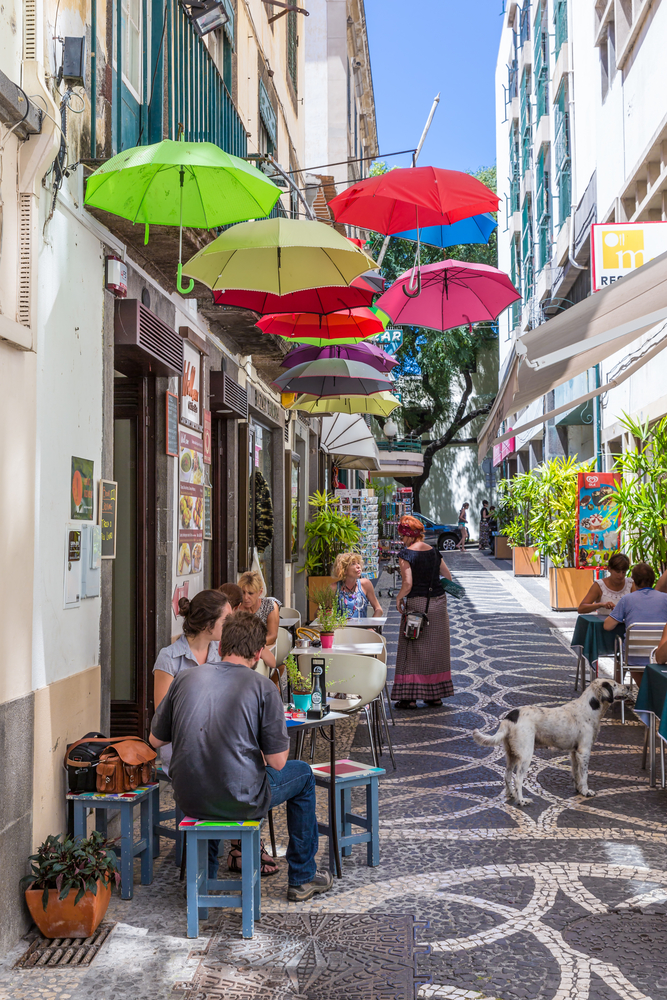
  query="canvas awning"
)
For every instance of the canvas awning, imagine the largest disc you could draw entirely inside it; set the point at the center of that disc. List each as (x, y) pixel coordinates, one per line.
(348, 439)
(578, 339)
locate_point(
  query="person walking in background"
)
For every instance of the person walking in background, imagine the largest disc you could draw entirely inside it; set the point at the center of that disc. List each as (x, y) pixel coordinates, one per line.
(422, 664)
(606, 592)
(484, 518)
(354, 594)
(463, 526)
(493, 527)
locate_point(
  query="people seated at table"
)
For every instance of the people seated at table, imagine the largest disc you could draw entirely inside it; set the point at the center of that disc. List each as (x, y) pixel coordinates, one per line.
(354, 594)
(606, 592)
(233, 593)
(422, 664)
(203, 618)
(661, 585)
(226, 725)
(267, 610)
(661, 650)
(644, 604)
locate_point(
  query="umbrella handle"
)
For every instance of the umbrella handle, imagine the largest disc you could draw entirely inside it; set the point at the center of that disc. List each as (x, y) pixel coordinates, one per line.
(179, 282)
(418, 289)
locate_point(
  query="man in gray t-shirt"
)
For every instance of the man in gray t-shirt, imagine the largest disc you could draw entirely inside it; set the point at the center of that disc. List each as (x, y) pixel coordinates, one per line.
(644, 604)
(226, 724)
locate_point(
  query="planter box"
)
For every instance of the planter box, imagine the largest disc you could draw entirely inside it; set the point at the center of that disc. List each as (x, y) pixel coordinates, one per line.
(568, 587)
(501, 548)
(62, 919)
(317, 581)
(523, 563)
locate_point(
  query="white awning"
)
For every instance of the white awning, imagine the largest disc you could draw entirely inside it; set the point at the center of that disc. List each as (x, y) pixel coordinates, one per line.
(578, 339)
(401, 463)
(348, 439)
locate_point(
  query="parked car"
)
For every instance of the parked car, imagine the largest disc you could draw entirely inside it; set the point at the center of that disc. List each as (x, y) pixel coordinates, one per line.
(441, 536)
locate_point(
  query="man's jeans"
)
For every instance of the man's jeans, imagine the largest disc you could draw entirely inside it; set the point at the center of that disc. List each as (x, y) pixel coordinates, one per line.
(295, 784)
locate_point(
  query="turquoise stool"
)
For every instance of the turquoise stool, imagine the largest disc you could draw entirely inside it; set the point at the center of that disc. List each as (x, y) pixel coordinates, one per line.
(104, 802)
(351, 774)
(245, 891)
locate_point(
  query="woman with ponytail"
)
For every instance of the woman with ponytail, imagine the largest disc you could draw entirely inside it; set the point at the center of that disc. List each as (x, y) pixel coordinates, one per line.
(202, 624)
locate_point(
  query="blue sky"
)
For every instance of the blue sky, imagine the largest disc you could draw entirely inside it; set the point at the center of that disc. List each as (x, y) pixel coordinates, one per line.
(420, 47)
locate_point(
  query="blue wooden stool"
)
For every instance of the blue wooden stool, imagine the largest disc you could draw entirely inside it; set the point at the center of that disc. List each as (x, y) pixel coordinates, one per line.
(145, 797)
(351, 774)
(160, 817)
(245, 891)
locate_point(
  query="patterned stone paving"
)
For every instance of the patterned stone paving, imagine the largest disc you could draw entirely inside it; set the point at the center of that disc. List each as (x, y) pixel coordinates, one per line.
(565, 899)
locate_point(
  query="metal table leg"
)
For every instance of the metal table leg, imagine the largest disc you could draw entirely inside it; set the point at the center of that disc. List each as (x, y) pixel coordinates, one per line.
(333, 804)
(651, 750)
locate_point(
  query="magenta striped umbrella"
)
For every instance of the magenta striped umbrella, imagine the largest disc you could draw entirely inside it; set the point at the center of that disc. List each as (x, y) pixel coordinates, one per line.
(370, 354)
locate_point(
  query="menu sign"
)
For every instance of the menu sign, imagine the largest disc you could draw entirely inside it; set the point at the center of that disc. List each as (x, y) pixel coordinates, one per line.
(108, 518)
(190, 503)
(598, 519)
(172, 424)
(191, 408)
(208, 528)
(207, 436)
(81, 489)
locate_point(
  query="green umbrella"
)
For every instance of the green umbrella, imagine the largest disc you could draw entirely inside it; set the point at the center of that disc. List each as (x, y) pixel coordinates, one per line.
(181, 183)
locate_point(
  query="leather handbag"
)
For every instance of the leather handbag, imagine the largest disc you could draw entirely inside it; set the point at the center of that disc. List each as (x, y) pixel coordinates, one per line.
(95, 763)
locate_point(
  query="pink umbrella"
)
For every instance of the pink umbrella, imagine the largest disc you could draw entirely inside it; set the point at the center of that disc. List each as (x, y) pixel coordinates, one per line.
(453, 293)
(371, 354)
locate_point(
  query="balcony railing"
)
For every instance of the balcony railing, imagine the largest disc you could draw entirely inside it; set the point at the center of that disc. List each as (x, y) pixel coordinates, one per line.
(197, 97)
(560, 24)
(414, 445)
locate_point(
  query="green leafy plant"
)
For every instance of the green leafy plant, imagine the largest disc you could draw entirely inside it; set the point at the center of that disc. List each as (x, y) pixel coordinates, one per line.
(552, 523)
(642, 494)
(71, 864)
(328, 533)
(323, 595)
(515, 498)
(329, 619)
(298, 683)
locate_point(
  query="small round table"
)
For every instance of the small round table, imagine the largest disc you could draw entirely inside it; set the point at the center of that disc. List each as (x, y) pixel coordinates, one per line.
(593, 641)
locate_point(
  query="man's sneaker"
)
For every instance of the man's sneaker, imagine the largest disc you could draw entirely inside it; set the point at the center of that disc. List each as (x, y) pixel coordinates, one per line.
(321, 883)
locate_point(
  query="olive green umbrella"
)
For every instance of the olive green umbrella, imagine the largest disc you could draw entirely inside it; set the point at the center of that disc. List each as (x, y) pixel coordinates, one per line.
(181, 184)
(279, 256)
(380, 404)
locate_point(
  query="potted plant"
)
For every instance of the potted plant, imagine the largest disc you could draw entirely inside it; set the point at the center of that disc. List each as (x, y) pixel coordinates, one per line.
(516, 496)
(553, 529)
(300, 686)
(328, 533)
(329, 619)
(642, 492)
(69, 888)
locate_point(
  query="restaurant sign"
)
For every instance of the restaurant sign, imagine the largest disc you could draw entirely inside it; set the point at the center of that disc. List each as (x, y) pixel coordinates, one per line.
(190, 504)
(191, 387)
(620, 248)
(598, 519)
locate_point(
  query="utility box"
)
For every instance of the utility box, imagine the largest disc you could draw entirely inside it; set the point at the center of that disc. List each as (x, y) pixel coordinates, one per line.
(74, 61)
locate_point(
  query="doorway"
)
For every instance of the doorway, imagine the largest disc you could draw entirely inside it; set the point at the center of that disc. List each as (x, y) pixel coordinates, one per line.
(133, 586)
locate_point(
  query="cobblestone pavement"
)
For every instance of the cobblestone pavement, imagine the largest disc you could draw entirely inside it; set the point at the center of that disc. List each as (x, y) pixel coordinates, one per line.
(475, 898)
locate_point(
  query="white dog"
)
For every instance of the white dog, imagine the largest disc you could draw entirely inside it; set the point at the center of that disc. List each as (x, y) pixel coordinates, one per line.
(572, 727)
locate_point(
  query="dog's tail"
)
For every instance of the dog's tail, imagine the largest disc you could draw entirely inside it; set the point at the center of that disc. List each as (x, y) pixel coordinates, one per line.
(484, 740)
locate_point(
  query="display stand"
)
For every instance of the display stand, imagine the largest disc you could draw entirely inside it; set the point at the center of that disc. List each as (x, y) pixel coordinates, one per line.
(391, 512)
(362, 506)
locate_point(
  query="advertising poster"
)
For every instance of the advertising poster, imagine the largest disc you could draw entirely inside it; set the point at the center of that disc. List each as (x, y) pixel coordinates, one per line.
(190, 503)
(81, 489)
(621, 247)
(191, 408)
(598, 519)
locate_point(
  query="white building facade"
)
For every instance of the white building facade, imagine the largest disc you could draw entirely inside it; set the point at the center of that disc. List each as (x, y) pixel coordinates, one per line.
(581, 107)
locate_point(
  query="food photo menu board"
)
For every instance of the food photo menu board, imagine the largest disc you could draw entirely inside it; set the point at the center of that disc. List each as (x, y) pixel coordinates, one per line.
(598, 519)
(190, 503)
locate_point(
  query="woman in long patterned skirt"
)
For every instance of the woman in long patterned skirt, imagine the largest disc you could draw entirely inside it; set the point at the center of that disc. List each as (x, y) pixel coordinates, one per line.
(422, 665)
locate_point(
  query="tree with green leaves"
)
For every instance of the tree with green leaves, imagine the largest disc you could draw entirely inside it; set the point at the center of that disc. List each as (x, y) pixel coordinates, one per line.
(435, 371)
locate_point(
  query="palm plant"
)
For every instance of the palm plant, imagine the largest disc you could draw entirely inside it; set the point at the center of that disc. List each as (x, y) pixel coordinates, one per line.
(328, 534)
(552, 523)
(642, 492)
(516, 497)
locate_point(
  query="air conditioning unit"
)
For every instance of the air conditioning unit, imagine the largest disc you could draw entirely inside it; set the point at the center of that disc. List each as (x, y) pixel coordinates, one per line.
(144, 345)
(229, 400)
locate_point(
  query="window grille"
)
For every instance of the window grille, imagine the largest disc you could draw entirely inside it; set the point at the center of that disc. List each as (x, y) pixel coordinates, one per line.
(562, 155)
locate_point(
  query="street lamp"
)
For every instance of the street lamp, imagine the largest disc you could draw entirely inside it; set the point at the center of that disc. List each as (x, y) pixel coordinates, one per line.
(205, 15)
(390, 429)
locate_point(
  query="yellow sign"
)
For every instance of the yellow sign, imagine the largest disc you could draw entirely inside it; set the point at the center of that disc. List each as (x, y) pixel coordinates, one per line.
(619, 248)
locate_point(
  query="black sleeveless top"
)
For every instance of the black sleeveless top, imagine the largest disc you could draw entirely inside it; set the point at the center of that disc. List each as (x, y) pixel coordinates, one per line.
(424, 566)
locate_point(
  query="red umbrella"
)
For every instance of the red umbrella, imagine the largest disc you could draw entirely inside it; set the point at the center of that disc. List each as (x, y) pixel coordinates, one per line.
(452, 294)
(334, 326)
(412, 197)
(370, 354)
(358, 293)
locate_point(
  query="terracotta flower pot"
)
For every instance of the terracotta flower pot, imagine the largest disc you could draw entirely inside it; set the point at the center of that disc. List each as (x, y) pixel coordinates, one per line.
(63, 919)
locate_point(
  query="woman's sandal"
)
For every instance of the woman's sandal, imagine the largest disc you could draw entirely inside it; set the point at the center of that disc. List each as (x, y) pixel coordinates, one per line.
(434, 704)
(269, 865)
(406, 704)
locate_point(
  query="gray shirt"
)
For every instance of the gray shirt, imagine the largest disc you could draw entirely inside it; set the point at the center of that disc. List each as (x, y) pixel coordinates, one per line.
(172, 659)
(220, 718)
(646, 605)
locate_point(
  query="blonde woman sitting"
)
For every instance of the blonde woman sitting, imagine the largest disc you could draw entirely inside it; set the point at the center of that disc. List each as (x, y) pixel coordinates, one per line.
(266, 608)
(354, 594)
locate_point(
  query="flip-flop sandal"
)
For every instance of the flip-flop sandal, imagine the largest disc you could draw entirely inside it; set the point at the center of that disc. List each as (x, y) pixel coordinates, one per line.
(269, 866)
(434, 704)
(405, 704)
